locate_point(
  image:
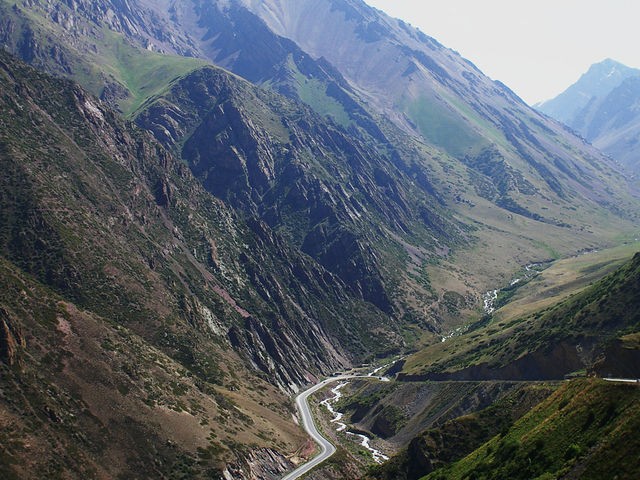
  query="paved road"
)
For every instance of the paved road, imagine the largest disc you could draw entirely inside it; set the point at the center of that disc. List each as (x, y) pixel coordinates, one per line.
(326, 447)
(623, 380)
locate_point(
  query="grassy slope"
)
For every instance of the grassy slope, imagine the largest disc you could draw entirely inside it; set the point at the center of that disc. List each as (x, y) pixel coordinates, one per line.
(599, 313)
(144, 73)
(562, 279)
(83, 397)
(313, 92)
(587, 429)
(105, 56)
(503, 242)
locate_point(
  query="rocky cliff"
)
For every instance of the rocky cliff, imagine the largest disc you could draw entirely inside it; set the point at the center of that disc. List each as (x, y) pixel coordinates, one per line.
(336, 198)
(117, 263)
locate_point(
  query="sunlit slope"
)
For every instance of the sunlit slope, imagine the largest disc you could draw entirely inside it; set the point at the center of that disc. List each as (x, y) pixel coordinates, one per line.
(562, 338)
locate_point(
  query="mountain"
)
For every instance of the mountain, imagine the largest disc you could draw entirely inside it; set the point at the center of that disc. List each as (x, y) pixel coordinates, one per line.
(139, 315)
(245, 196)
(455, 179)
(603, 106)
(334, 196)
(488, 155)
(592, 330)
(599, 81)
(582, 430)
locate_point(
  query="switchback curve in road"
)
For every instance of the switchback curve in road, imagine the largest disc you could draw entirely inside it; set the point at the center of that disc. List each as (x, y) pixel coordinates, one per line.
(326, 447)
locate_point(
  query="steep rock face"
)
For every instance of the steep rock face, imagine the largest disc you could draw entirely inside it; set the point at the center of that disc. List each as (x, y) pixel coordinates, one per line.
(121, 275)
(261, 463)
(335, 197)
(160, 235)
(90, 398)
(12, 340)
(620, 359)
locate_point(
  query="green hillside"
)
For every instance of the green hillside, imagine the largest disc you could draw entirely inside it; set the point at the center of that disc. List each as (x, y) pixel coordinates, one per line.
(550, 343)
(587, 430)
(105, 62)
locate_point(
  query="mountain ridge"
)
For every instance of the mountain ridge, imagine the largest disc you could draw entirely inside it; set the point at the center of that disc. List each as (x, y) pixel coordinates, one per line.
(505, 174)
(165, 190)
(603, 107)
(265, 224)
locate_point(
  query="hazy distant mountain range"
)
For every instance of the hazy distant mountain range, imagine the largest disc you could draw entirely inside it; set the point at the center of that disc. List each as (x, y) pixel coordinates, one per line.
(604, 107)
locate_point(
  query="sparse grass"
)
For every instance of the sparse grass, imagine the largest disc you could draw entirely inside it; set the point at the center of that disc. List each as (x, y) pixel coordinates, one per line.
(562, 279)
(534, 321)
(585, 428)
(313, 92)
(442, 126)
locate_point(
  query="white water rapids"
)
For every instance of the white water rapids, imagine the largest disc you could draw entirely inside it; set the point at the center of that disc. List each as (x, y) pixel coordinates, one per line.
(329, 404)
(378, 456)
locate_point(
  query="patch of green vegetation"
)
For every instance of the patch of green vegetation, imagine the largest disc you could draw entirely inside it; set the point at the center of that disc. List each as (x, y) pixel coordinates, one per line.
(105, 56)
(585, 427)
(631, 341)
(313, 92)
(145, 74)
(552, 252)
(442, 127)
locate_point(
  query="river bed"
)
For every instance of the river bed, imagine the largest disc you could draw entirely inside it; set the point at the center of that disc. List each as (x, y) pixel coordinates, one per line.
(365, 441)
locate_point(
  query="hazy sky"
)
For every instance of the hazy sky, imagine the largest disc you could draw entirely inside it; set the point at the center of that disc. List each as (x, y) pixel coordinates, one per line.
(537, 47)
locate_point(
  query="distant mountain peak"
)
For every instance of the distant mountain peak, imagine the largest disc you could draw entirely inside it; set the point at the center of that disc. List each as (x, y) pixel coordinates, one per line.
(608, 71)
(601, 107)
(597, 82)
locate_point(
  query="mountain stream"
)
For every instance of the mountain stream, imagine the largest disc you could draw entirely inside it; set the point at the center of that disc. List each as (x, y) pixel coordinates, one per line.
(365, 441)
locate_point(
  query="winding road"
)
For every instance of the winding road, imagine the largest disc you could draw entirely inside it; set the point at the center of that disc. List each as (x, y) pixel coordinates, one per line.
(326, 447)
(623, 380)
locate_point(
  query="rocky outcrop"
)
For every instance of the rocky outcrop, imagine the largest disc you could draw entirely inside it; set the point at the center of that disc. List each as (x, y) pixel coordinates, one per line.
(12, 341)
(262, 464)
(324, 189)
